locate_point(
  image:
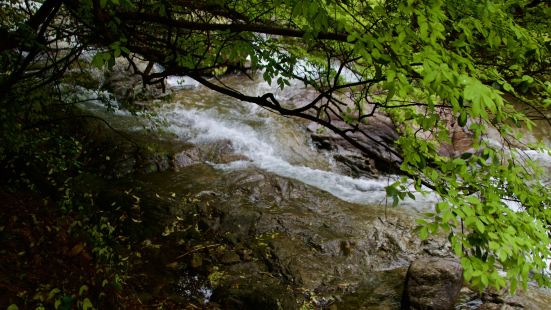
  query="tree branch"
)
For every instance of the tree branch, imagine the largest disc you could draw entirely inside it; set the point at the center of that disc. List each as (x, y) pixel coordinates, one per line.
(256, 28)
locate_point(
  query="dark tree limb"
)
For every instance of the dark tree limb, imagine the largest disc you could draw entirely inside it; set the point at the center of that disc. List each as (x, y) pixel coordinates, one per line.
(140, 18)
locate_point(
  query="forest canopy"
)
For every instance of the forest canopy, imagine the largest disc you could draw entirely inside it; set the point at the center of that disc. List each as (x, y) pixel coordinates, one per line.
(434, 67)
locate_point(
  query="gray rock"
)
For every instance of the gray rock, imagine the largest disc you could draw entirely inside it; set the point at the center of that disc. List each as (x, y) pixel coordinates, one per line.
(181, 160)
(350, 160)
(490, 306)
(531, 298)
(248, 286)
(381, 291)
(432, 283)
(127, 86)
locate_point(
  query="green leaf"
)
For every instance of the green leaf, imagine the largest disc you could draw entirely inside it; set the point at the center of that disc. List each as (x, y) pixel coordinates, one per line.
(53, 293)
(476, 108)
(457, 248)
(424, 233)
(484, 280)
(390, 74)
(83, 289)
(462, 120)
(87, 304)
(480, 226)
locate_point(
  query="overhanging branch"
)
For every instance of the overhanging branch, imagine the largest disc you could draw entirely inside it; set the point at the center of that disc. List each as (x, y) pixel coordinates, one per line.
(254, 27)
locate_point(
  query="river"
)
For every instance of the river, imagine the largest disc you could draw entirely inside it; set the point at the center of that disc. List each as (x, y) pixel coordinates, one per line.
(329, 232)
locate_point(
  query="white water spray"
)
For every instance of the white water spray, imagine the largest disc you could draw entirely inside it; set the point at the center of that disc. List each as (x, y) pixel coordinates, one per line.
(266, 151)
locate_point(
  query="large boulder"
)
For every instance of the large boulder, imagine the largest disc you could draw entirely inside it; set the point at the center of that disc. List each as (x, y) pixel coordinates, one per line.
(432, 283)
(381, 136)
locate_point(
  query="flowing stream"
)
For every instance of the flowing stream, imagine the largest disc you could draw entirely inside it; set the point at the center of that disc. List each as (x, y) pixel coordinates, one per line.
(273, 143)
(327, 212)
(270, 142)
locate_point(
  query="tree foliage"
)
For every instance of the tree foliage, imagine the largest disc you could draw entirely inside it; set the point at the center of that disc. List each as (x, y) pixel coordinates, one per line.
(433, 66)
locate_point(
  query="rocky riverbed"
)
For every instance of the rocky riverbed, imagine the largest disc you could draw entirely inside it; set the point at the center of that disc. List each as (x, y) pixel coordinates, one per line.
(241, 209)
(245, 238)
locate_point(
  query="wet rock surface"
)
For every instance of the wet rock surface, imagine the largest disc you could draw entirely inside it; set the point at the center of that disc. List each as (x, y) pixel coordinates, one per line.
(277, 241)
(259, 291)
(382, 290)
(381, 133)
(133, 153)
(433, 283)
(531, 298)
(218, 152)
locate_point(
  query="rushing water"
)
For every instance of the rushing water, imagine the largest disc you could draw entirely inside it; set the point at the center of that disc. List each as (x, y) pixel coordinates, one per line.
(270, 142)
(273, 143)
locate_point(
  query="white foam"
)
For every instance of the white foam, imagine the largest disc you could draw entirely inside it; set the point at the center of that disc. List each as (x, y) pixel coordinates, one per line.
(266, 153)
(96, 101)
(181, 82)
(542, 158)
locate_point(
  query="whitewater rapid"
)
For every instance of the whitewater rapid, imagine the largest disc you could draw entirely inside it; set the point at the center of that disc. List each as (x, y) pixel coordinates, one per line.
(268, 152)
(270, 142)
